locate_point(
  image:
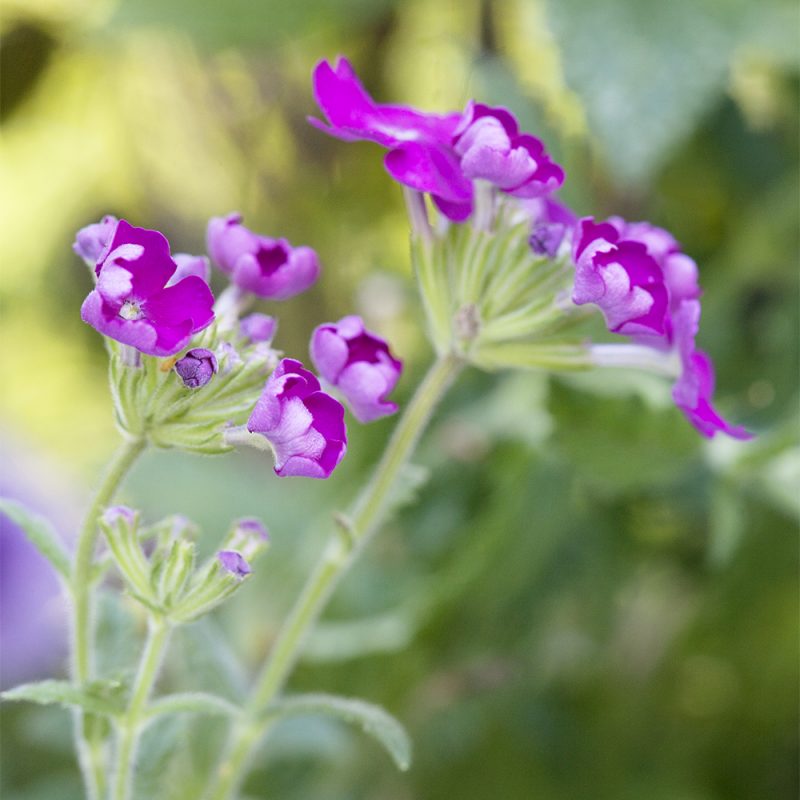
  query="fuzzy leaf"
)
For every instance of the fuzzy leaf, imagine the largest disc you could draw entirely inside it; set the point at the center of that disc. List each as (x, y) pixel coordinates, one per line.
(99, 697)
(372, 719)
(40, 533)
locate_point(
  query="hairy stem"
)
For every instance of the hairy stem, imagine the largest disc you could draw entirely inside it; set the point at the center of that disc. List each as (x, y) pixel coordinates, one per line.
(339, 555)
(90, 749)
(130, 726)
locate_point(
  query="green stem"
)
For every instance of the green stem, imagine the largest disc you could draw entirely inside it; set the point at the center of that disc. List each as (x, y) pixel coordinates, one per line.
(338, 556)
(130, 726)
(89, 747)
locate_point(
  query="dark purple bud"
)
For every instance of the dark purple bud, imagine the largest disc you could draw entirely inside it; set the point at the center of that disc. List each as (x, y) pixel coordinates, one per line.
(546, 238)
(258, 327)
(196, 368)
(233, 562)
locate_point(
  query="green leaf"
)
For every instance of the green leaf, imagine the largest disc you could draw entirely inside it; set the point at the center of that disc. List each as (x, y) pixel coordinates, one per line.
(99, 697)
(40, 533)
(191, 703)
(372, 719)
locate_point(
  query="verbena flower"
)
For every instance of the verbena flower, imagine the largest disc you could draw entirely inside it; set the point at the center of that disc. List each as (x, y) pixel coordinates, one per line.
(303, 424)
(491, 148)
(91, 241)
(132, 302)
(420, 145)
(257, 327)
(647, 289)
(269, 268)
(359, 364)
(196, 368)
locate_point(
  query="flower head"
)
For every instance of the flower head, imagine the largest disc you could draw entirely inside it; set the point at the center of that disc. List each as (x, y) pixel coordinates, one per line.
(303, 424)
(359, 364)
(269, 268)
(132, 302)
(491, 148)
(196, 368)
(420, 145)
(91, 241)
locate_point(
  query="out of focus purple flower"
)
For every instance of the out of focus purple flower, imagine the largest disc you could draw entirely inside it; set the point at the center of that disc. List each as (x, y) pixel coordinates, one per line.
(196, 368)
(132, 302)
(694, 390)
(91, 241)
(190, 265)
(552, 225)
(234, 563)
(303, 424)
(114, 514)
(269, 268)
(258, 327)
(359, 364)
(420, 145)
(491, 148)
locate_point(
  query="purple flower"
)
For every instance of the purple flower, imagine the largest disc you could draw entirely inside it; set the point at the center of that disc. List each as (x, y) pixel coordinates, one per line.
(132, 302)
(91, 241)
(234, 563)
(359, 364)
(420, 145)
(190, 265)
(196, 368)
(269, 268)
(552, 225)
(258, 327)
(304, 425)
(492, 148)
(621, 278)
(694, 389)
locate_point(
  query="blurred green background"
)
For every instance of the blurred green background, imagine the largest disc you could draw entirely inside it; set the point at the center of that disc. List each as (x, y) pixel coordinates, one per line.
(587, 601)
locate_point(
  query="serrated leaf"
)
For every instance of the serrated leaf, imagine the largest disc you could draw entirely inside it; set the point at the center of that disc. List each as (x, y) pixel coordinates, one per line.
(99, 697)
(40, 533)
(191, 703)
(372, 719)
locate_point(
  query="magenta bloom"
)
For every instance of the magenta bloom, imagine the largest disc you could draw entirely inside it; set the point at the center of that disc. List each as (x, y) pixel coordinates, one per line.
(492, 148)
(269, 268)
(304, 425)
(91, 241)
(132, 302)
(359, 364)
(694, 389)
(622, 278)
(196, 368)
(420, 145)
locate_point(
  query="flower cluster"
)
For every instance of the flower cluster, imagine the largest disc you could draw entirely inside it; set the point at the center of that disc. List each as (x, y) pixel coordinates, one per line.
(503, 310)
(230, 380)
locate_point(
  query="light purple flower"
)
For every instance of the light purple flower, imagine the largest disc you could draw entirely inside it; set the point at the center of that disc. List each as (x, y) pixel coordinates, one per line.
(196, 368)
(552, 225)
(253, 527)
(359, 364)
(91, 241)
(269, 268)
(491, 148)
(258, 327)
(304, 425)
(420, 145)
(621, 278)
(694, 389)
(234, 563)
(132, 302)
(190, 265)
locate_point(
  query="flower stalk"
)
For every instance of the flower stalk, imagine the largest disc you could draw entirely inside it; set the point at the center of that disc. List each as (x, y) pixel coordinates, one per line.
(341, 552)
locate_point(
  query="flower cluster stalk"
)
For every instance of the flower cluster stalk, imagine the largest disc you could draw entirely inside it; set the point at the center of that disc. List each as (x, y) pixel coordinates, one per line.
(339, 555)
(89, 747)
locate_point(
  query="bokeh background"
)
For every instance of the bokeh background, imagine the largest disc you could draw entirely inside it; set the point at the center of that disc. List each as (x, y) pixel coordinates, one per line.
(585, 600)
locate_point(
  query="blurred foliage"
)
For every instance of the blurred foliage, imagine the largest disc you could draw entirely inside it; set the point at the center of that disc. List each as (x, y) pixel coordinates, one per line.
(587, 600)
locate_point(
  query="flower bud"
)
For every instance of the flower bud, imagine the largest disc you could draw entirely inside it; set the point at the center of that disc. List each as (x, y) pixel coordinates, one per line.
(248, 537)
(196, 368)
(234, 563)
(175, 572)
(258, 327)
